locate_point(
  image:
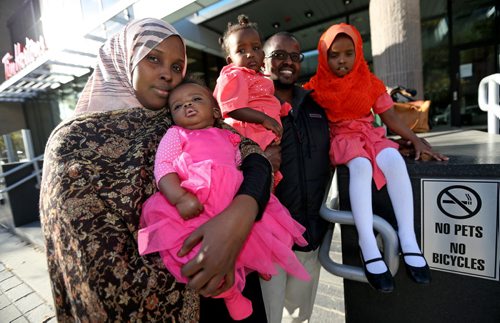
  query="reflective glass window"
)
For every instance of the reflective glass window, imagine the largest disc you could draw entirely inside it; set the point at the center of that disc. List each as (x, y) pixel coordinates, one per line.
(435, 32)
(473, 20)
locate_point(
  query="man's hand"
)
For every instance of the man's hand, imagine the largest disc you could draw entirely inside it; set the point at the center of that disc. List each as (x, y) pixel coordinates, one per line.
(211, 272)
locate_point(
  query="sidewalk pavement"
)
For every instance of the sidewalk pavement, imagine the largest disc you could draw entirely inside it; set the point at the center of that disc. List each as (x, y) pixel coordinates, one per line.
(26, 296)
(25, 293)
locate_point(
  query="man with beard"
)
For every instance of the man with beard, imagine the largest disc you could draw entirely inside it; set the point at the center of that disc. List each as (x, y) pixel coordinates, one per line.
(302, 158)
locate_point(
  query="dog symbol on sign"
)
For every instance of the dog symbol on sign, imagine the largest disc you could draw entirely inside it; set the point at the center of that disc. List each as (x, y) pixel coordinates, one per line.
(459, 202)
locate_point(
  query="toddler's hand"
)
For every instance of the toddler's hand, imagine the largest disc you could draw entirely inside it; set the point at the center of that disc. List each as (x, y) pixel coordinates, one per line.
(273, 125)
(189, 206)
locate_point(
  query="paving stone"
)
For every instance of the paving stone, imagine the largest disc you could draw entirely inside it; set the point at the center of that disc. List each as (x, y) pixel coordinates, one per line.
(323, 316)
(28, 302)
(18, 292)
(5, 275)
(9, 313)
(4, 301)
(9, 283)
(331, 290)
(39, 314)
(21, 319)
(330, 303)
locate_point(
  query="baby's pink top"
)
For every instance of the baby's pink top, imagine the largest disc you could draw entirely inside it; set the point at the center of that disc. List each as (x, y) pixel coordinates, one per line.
(240, 87)
(359, 138)
(174, 143)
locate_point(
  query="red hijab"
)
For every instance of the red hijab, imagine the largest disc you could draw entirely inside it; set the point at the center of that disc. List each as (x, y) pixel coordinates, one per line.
(349, 97)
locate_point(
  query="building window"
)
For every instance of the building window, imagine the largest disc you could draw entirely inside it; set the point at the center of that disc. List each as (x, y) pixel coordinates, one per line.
(435, 30)
(473, 21)
(25, 22)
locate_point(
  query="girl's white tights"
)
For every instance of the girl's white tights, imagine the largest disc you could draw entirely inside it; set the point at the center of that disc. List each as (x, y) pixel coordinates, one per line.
(399, 188)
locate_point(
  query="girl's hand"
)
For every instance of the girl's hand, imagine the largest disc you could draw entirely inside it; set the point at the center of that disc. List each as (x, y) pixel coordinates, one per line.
(423, 150)
(211, 272)
(273, 125)
(189, 206)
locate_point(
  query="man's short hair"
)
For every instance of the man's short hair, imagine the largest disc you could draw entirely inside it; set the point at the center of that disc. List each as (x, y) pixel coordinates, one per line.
(280, 33)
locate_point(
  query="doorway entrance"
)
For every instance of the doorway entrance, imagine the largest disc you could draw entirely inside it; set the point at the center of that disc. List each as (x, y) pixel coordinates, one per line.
(470, 65)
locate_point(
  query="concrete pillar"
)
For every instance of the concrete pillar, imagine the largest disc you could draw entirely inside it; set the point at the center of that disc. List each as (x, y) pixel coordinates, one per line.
(397, 43)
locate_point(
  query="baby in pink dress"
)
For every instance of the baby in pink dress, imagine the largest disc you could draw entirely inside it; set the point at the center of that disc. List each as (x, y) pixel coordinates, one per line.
(245, 95)
(196, 169)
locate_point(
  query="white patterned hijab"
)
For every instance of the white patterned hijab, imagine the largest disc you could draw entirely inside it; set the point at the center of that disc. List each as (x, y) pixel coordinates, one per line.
(110, 85)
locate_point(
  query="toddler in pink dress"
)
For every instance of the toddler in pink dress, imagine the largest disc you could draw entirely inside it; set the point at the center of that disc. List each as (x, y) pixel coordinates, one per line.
(196, 169)
(245, 95)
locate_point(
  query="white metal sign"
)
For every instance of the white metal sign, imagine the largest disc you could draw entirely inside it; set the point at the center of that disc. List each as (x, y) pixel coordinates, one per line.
(460, 226)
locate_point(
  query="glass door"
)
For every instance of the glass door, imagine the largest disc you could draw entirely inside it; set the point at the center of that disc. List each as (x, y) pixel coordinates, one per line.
(472, 64)
(474, 46)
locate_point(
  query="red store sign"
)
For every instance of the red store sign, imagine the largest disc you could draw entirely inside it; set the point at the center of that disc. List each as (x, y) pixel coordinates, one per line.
(23, 56)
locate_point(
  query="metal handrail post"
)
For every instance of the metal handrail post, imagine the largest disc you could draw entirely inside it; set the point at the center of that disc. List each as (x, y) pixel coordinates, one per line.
(386, 231)
(30, 153)
(487, 99)
(36, 173)
(9, 146)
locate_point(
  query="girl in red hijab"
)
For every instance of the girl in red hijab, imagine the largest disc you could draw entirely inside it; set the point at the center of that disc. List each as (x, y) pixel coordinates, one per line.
(349, 92)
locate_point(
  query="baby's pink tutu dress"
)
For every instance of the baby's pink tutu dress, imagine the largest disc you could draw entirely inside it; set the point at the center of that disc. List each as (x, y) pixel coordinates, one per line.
(207, 162)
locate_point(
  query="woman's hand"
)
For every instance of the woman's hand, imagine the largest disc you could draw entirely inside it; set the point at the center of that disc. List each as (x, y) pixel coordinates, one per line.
(211, 272)
(273, 154)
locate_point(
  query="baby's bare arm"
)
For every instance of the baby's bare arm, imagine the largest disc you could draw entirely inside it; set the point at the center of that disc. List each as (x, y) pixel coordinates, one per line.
(186, 203)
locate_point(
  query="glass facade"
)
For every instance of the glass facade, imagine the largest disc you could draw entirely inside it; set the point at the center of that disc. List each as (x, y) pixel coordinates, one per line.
(435, 29)
(473, 21)
(460, 46)
(204, 66)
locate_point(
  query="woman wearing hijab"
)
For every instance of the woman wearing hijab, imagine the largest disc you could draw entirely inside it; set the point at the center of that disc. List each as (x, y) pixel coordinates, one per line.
(98, 171)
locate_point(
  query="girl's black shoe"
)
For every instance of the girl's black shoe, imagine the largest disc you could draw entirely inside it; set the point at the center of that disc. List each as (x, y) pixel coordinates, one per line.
(383, 282)
(420, 275)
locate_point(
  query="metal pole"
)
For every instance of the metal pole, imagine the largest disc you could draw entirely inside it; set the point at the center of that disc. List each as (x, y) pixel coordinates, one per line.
(30, 153)
(11, 153)
(28, 144)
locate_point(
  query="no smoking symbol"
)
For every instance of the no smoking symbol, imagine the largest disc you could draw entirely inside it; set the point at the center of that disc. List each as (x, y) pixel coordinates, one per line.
(459, 202)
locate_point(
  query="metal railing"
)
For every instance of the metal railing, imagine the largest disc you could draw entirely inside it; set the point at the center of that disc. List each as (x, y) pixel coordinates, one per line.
(488, 100)
(386, 231)
(36, 173)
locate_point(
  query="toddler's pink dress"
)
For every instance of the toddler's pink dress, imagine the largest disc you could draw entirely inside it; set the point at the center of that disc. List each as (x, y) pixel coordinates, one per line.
(240, 87)
(206, 161)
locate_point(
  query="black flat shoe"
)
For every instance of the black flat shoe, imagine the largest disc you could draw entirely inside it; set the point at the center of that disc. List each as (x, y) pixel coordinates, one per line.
(383, 282)
(420, 275)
